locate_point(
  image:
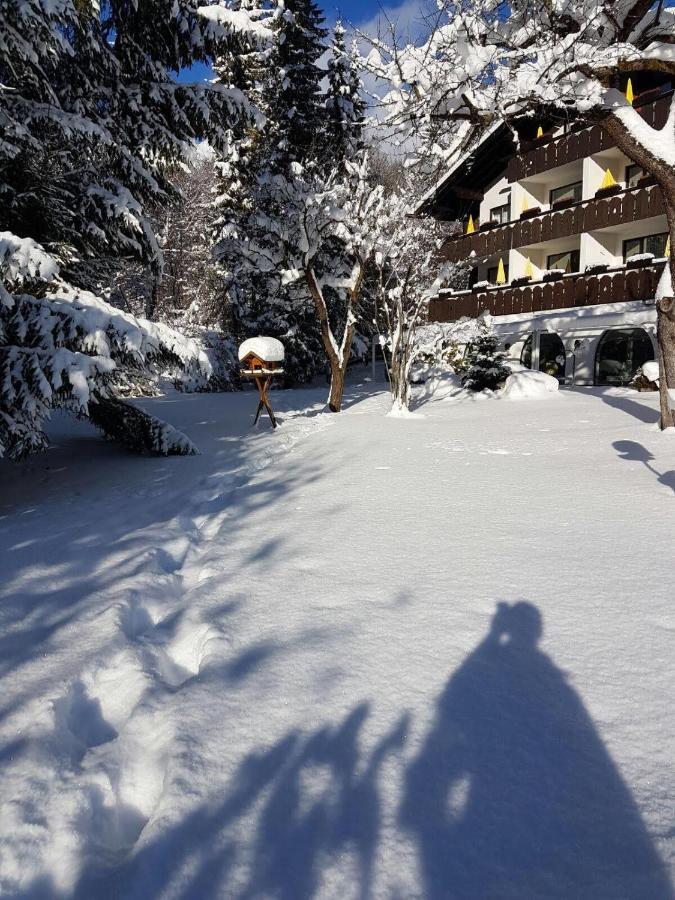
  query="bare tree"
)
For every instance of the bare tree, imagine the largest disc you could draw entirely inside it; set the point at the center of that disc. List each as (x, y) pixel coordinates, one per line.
(409, 272)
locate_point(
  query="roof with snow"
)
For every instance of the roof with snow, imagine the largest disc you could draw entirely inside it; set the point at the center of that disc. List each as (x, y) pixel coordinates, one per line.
(460, 189)
(268, 349)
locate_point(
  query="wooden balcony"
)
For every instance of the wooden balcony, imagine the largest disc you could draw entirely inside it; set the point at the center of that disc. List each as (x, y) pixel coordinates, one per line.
(579, 144)
(629, 206)
(572, 291)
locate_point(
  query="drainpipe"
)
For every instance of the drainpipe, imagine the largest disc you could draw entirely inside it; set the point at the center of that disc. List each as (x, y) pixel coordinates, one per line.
(577, 344)
(535, 350)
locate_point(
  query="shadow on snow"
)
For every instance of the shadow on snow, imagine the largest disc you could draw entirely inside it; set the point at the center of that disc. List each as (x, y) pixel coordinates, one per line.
(511, 794)
(632, 450)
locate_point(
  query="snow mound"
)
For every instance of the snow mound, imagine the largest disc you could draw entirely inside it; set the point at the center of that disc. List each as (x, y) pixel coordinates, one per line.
(267, 348)
(651, 370)
(529, 385)
(435, 382)
(399, 411)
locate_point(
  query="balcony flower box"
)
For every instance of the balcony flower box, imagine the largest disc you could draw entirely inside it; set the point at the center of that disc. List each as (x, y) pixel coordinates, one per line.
(487, 226)
(481, 285)
(531, 213)
(646, 181)
(639, 260)
(521, 282)
(562, 204)
(596, 269)
(553, 275)
(608, 191)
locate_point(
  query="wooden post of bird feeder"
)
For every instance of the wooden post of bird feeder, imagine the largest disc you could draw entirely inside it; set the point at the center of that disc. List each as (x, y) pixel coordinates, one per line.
(262, 359)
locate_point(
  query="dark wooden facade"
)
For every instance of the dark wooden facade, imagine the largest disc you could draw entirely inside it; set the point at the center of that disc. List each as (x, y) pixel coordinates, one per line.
(589, 215)
(571, 291)
(578, 144)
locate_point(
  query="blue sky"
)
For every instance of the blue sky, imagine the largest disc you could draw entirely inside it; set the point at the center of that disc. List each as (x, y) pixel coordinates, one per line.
(356, 12)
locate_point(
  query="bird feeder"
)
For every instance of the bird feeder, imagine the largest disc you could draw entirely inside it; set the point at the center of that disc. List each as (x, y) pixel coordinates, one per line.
(261, 359)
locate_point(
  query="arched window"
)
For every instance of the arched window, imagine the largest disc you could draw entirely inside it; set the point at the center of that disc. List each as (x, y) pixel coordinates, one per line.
(551, 354)
(621, 352)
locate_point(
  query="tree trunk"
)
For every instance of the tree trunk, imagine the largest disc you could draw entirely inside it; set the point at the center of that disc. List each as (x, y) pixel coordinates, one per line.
(665, 313)
(338, 370)
(665, 177)
(337, 357)
(152, 301)
(665, 331)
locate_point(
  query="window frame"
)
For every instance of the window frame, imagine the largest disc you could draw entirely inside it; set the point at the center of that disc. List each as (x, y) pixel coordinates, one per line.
(504, 206)
(572, 271)
(566, 187)
(643, 239)
(627, 175)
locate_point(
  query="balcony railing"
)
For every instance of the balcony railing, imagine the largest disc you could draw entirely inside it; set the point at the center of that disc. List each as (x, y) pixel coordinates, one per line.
(629, 206)
(572, 291)
(578, 144)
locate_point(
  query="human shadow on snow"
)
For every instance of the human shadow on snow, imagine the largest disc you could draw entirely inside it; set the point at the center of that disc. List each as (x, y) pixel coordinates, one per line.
(513, 793)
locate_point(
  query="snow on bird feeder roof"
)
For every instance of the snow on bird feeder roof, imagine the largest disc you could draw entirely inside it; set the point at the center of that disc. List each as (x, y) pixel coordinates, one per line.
(267, 349)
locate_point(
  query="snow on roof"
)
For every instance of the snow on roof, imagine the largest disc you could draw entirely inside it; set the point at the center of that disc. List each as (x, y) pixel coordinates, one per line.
(268, 349)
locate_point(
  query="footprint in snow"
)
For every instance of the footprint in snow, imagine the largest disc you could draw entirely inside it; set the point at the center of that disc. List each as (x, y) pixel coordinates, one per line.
(135, 619)
(80, 718)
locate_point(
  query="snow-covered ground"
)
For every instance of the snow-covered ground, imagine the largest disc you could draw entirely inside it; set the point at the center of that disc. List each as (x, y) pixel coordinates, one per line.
(363, 656)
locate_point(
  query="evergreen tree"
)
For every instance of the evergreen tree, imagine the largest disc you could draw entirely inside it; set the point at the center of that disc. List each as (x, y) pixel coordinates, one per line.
(294, 92)
(344, 104)
(91, 119)
(285, 82)
(486, 362)
(91, 115)
(244, 66)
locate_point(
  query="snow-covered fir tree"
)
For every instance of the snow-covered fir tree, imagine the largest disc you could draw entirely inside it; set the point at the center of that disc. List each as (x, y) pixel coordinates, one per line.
(62, 347)
(345, 105)
(92, 119)
(245, 65)
(487, 368)
(294, 91)
(287, 90)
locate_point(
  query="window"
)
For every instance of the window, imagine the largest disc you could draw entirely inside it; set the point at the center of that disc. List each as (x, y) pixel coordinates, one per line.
(620, 354)
(501, 214)
(652, 243)
(569, 192)
(633, 175)
(492, 274)
(551, 354)
(569, 261)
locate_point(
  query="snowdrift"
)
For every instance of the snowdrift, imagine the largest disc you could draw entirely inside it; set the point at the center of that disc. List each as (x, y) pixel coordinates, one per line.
(529, 385)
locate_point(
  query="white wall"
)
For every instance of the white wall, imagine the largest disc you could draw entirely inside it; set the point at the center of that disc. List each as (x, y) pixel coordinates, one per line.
(586, 325)
(497, 195)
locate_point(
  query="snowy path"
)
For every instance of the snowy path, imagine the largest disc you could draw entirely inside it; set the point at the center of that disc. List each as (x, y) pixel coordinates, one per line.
(279, 669)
